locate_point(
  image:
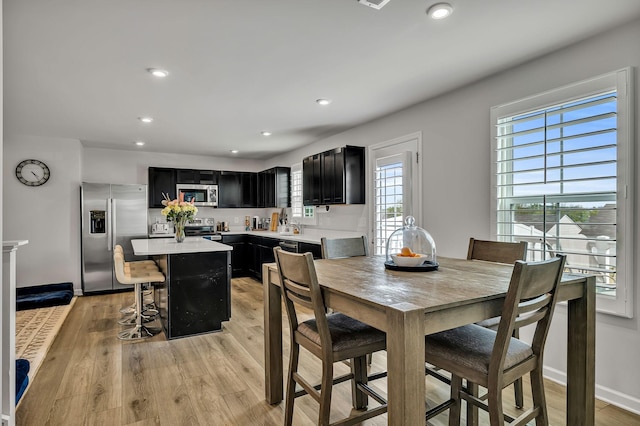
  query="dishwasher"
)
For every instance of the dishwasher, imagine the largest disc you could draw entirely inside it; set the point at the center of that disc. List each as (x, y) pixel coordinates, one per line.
(290, 246)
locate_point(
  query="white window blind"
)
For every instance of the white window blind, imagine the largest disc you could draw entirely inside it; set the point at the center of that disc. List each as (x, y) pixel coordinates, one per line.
(391, 192)
(296, 192)
(559, 181)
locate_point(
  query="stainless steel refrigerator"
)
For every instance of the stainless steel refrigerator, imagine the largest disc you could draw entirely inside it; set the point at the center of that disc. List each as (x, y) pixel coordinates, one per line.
(111, 214)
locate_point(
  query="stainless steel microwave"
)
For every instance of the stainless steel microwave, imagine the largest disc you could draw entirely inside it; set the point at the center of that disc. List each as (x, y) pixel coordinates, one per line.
(204, 195)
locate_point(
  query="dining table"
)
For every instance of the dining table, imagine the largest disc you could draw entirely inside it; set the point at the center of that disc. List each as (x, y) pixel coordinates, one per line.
(409, 305)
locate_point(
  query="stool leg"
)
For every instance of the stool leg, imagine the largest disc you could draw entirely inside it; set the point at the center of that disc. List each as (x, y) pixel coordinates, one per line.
(140, 331)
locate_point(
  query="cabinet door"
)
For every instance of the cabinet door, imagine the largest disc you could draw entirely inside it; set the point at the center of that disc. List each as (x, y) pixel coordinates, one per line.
(270, 188)
(161, 180)
(328, 176)
(249, 186)
(229, 190)
(309, 247)
(188, 176)
(260, 191)
(354, 171)
(312, 180)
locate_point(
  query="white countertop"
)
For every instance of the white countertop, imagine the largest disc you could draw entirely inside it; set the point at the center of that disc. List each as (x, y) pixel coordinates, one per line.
(149, 247)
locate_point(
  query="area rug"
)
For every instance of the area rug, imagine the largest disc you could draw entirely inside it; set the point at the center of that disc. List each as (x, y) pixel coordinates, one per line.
(35, 331)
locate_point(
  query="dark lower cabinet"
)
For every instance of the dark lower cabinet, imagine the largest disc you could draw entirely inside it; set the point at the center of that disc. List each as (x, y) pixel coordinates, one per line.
(314, 249)
(196, 295)
(239, 254)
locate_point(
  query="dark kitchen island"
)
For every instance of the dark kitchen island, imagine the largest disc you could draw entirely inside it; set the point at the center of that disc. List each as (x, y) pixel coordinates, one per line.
(196, 295)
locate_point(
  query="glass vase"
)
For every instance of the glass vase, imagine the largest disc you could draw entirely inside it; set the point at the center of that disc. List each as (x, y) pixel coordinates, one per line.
(179, 232)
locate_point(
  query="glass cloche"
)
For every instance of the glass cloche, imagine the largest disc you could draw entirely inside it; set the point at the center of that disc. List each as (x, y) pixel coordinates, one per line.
(411, 248)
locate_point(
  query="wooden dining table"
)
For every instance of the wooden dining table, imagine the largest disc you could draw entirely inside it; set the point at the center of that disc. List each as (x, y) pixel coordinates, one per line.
(410, 305)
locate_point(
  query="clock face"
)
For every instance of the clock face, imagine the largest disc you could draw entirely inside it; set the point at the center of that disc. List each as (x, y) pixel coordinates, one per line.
(32, 172)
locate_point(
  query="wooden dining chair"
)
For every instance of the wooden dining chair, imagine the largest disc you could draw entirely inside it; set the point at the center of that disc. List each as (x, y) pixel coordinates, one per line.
(495, 359)
(499, 252)
(344, 247)
(330, 337)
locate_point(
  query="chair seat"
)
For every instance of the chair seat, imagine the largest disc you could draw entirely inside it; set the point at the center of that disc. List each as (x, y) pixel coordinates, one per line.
(471, 346)
(346, 333)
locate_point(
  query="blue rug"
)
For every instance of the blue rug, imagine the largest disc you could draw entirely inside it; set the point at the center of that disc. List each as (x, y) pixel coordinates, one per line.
(22, 378)
(43, 296)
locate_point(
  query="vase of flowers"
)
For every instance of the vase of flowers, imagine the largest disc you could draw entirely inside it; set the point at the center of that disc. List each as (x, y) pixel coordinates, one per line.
(178, 212)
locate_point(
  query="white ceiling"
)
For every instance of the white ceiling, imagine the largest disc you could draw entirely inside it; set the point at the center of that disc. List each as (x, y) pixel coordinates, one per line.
(77, 69)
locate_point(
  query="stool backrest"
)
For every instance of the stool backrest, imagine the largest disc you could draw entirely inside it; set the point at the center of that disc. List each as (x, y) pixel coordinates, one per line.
(344, 247)
(118, 266)
(497, 251)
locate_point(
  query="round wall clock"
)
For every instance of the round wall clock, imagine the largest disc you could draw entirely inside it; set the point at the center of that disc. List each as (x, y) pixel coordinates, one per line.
(32, 172)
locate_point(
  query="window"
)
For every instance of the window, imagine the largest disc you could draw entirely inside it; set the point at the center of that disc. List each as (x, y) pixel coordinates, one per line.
(561, 181)
(304, 215)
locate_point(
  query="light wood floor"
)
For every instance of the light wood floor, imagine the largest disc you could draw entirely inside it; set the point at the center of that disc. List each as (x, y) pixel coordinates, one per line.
(89, 377)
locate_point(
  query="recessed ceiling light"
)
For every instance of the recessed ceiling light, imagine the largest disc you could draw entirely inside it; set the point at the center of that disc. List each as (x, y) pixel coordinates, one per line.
(234, 151)
(145, 119)
(323, 101)
(157, 72)
(265, 133)
(139, 143)
(440, 10)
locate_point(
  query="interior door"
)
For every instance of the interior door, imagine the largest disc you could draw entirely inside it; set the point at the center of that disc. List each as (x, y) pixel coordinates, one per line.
(395, 177)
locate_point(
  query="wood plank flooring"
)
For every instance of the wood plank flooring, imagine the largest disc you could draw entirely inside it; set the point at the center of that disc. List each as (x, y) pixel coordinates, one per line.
(89, 377)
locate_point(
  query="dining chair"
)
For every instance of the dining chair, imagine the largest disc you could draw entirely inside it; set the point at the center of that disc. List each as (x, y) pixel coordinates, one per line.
(336, 248)
(330, 337)
(499, 252)
(344, 247)
(495, 359)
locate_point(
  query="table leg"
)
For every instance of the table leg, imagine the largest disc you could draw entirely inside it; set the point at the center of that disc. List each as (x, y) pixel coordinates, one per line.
(581, 357)
(272, 337)
(405, 365)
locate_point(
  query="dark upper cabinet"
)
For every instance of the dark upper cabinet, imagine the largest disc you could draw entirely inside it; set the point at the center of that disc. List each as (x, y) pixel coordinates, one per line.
(229, 190)
(249, 182)
(312, 180)
(198, 177)
(161, 180)
(334, 177)
(237, 189)
(273, 188)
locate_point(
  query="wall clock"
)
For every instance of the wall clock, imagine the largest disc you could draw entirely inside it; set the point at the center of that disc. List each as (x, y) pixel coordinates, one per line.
(32, 172)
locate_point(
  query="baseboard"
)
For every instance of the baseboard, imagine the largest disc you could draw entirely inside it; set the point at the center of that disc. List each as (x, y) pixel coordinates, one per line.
(603, 393)
(77, 292)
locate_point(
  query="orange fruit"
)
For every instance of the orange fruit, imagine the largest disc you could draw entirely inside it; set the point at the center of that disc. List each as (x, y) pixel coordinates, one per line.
(406, 252)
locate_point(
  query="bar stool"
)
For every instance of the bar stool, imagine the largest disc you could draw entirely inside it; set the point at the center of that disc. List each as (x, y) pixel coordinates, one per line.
(148, 305)
(136, 278)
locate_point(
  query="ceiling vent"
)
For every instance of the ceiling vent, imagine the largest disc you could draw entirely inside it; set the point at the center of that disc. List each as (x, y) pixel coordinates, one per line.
(376, 4)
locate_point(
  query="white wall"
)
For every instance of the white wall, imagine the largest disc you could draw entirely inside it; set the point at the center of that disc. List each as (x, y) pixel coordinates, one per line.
(49, 215)
(456, 165)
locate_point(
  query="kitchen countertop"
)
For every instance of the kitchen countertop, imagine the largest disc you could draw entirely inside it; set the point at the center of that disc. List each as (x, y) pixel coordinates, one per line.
(148, 247)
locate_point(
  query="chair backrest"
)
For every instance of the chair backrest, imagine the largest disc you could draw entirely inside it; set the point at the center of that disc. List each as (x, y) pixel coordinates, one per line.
(300, 287)
(118, 266)
(497, 251)
(344, 247)
(531, 299)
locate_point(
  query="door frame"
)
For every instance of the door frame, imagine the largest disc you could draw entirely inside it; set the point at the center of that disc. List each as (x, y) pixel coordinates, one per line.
(415, 171)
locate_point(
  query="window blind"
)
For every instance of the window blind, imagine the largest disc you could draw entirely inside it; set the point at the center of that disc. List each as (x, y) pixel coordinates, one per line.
(556, 172)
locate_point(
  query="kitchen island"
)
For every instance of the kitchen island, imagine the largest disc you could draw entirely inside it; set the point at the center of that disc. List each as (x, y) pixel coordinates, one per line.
(196, 295)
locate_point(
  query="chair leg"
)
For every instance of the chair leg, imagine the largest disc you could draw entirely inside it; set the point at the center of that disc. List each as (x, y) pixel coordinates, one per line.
(539, 400)
(325, 392)
(518, 394)
(454, 411)
(359, 370)
(291, 384)
(472, 410)
(496, 413)
(517, 385)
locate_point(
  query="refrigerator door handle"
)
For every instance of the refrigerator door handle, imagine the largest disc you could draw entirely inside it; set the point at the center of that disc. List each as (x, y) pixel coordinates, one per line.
(109, 222)
(114, 220)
